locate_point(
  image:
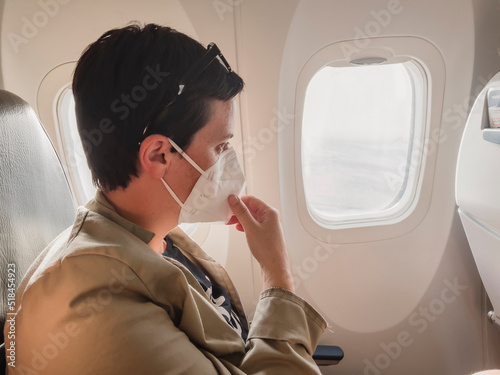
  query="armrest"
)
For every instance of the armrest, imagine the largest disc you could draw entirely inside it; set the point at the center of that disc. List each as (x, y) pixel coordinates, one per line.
(327, 355)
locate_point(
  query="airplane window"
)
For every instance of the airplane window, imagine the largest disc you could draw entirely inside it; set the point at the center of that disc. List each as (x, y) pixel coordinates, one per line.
(77, 170)
(361, 142)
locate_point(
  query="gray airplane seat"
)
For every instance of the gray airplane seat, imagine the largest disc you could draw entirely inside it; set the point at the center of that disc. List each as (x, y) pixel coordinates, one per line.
(477, 188)
(35, 199)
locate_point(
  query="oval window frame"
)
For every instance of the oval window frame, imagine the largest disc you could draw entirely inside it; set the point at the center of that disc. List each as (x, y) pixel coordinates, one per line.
(393, 49)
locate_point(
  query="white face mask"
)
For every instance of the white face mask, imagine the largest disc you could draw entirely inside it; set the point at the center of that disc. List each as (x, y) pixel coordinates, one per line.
(207, 202)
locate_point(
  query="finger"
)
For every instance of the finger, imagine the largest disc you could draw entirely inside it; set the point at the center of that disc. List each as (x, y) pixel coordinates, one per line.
(233, 220)
(240, 210)
(257, 207)
(253, 203)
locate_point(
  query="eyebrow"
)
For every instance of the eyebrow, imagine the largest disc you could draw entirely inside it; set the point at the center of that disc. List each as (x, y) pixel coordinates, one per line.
(228, 136)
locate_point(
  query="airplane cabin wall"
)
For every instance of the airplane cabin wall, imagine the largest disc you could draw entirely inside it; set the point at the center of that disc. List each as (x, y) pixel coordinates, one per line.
(377, 295)
(420, 262)
(380, 297)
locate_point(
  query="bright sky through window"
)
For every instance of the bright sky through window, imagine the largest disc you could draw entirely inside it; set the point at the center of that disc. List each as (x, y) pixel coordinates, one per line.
(357, 141)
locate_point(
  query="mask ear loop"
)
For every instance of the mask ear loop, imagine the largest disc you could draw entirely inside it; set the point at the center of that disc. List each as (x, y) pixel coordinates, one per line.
(172, 193)
(190, 161)
(186, 156)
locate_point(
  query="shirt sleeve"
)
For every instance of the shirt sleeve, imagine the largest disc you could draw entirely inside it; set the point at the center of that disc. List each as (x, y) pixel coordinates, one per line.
(283, 335)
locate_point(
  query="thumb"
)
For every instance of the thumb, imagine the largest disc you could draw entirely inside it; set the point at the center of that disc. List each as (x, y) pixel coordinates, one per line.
(240, 210)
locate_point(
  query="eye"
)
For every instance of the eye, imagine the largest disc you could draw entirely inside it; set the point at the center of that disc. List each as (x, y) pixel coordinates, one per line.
(223, 146)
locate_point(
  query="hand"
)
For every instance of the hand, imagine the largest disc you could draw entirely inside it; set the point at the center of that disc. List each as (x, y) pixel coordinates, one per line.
(262, 226)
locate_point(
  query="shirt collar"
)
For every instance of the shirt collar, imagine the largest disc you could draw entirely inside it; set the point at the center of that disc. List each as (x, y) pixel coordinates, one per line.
(101, 205)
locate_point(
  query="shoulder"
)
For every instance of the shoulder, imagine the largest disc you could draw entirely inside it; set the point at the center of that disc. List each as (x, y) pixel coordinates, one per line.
(96, 254)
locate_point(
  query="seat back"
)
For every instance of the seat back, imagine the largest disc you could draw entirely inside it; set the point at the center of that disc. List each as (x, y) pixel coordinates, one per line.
(35, 199)
(477, 185)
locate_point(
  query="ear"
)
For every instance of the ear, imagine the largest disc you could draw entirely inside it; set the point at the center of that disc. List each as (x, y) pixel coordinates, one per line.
(154, 155)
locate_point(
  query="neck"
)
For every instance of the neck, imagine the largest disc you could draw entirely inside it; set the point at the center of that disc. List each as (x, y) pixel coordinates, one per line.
(151, 209)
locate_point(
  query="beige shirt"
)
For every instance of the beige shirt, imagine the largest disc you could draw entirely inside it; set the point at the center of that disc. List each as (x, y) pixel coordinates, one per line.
(99, 300)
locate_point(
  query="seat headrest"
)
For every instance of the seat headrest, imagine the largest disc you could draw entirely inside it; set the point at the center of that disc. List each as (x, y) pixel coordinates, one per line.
(35, 199)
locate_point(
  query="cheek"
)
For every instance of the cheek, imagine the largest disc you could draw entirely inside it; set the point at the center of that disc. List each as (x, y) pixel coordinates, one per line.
(189, 179)
(182, 179)
(209, 159)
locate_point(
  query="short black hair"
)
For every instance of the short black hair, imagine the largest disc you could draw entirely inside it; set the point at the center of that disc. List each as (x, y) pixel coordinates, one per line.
(123, 84)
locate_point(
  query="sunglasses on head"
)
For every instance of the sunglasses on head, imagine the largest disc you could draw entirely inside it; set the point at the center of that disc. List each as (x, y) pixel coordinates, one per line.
(213, 52)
